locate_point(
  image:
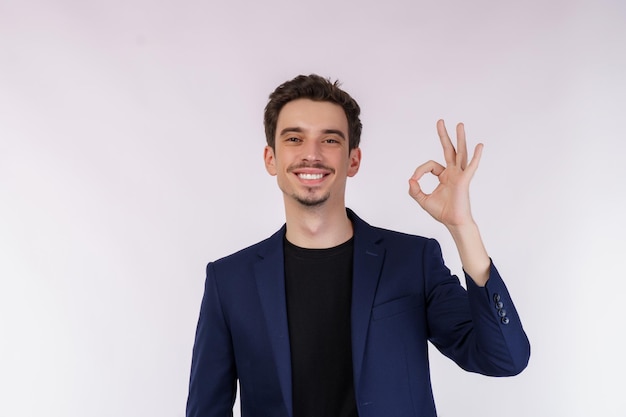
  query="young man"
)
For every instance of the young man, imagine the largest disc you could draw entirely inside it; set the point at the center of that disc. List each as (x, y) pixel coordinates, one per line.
(330, 317)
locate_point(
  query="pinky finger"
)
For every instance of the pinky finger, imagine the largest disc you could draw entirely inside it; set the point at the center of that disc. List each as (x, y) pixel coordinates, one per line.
(473, 165)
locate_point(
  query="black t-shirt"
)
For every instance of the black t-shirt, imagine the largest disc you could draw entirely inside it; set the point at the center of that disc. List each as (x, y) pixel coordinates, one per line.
(318, 284)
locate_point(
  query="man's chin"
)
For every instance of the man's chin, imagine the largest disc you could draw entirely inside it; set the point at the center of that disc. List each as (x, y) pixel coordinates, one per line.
(311, 201)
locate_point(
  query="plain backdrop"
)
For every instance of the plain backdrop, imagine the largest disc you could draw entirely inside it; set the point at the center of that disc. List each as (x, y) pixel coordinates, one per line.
(131, 145)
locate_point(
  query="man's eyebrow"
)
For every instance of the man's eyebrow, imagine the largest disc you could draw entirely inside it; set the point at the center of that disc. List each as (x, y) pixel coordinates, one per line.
(334, 132)
(291, 129)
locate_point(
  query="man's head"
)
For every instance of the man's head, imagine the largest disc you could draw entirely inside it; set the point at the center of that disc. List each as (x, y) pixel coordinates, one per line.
(316, 88)
(313, 132)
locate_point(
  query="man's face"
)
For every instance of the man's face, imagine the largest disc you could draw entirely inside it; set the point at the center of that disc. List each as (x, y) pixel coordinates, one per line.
(311, 159)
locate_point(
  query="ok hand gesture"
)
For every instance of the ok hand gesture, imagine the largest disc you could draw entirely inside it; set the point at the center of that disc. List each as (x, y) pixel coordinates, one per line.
(449, 202)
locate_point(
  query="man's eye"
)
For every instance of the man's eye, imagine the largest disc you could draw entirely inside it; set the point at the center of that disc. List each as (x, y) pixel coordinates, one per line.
(293, 139)
(331, 140)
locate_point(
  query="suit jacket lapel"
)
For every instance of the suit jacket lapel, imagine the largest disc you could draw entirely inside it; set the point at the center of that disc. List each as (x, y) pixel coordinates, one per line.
(270, 278)
(368, 260)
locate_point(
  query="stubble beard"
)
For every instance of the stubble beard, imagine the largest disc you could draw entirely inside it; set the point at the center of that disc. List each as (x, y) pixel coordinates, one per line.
(311, 201)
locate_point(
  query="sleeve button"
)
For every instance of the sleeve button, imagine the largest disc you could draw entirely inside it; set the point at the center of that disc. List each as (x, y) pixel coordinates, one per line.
(505, 320)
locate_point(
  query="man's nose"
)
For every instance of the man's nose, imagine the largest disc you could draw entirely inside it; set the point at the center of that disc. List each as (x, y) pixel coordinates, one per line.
(311, 151)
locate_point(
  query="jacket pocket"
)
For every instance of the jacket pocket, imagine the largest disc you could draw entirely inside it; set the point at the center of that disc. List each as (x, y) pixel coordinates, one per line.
(397, 306)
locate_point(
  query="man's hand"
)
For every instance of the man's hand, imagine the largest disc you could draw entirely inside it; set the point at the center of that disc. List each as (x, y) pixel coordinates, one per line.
(449, 203)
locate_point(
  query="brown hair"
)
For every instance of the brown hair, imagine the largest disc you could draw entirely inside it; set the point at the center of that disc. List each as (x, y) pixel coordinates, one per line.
(312, 87)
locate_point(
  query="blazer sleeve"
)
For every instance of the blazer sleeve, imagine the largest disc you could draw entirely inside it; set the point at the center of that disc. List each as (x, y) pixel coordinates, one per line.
(479, 328)
(212, 385)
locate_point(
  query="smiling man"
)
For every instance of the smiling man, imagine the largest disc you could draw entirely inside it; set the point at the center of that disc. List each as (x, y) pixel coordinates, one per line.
(330, 317)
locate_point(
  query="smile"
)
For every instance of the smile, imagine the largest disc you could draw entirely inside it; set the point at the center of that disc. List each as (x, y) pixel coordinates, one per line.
(310, 176)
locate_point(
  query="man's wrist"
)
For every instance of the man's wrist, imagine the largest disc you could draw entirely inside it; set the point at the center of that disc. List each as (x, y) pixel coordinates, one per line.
(474, 257)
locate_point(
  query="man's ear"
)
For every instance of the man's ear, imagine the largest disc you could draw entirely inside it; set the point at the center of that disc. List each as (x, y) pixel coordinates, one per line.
(270, 160)
(355, 162)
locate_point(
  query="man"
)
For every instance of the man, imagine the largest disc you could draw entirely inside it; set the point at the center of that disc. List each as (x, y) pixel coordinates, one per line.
(330, 317)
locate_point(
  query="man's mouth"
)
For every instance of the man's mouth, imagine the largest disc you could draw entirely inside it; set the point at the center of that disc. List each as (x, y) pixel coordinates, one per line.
(311, 173)
(306, 176)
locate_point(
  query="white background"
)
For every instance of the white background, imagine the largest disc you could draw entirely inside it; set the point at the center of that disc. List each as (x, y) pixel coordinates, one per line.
(131, 145)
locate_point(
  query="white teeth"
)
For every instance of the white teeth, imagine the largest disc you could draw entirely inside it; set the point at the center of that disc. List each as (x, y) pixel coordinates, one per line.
(310, 176)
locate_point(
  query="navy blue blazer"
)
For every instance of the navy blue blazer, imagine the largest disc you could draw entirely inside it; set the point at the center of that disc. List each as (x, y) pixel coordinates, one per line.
(403, 296)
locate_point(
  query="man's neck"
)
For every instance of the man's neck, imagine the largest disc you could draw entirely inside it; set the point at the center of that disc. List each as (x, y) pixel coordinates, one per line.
(317, 227)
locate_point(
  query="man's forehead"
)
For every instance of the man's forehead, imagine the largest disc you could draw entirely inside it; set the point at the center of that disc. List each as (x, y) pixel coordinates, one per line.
(306, 114)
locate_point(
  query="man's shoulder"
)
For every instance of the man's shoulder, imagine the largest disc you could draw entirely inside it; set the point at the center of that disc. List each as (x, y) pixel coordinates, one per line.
(252, 252)
(403, 243)
(395, 234)
(383, 234)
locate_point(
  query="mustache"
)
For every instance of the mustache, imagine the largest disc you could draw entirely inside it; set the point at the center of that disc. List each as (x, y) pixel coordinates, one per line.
(315, 165)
